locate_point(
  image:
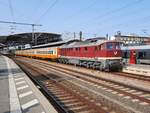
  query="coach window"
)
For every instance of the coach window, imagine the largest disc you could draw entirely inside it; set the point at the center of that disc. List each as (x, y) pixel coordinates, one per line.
(141, 55)
(125, 55)
(128, 54)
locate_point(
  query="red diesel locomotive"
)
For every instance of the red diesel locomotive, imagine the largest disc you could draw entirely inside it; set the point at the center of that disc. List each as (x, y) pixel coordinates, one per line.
(99, 54)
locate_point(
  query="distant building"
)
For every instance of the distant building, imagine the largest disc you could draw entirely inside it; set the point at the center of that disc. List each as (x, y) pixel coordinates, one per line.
(132, 39)
(148, 41)
(95, 39)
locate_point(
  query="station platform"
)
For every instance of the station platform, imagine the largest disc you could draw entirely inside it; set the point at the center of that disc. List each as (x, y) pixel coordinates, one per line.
(17, 92)
(137, 69)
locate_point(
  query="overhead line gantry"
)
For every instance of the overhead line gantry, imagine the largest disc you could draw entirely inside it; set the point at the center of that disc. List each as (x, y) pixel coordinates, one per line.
(19, 23)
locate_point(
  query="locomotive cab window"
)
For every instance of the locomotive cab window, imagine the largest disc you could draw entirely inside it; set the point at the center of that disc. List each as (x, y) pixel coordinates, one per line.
(117, 46)
(109, 46)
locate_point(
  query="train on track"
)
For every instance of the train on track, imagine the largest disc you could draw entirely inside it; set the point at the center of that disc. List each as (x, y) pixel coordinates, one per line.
(136, 54)
(97, 54)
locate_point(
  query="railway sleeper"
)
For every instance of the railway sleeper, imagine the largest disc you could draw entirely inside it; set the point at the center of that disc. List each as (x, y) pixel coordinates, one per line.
(79, 108)
(66, 98)
(72, 100)
(75, 104)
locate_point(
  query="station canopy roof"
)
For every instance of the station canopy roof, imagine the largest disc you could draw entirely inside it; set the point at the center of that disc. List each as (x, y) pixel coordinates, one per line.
(26, 38)
(2, 45)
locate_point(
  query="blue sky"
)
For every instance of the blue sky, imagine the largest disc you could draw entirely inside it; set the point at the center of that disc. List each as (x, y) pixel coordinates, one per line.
(93, 17)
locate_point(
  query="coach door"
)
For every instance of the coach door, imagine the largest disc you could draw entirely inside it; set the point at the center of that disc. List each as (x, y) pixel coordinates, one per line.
(132, 56)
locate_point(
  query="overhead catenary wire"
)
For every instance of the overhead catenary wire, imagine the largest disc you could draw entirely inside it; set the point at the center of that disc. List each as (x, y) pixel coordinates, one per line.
(11, 9)
(129, 22)
(118, 9)
(109, 13)
(38, 7)
(47, 10)
(12, 28)
(81, 11)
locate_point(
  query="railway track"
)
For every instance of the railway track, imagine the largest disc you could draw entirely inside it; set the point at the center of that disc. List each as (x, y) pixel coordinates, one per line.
(138, 77)
(128, 75)
(67, 98)
(138, 97)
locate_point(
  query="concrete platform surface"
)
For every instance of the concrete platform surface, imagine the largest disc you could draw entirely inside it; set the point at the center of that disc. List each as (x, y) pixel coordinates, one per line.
(17, 92)
(137, 69)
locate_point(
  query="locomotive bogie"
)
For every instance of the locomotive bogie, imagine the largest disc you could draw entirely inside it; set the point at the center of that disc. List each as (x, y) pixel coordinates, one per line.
(100, 64)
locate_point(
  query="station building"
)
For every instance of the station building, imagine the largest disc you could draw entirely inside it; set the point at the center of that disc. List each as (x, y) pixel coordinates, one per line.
(130, 40)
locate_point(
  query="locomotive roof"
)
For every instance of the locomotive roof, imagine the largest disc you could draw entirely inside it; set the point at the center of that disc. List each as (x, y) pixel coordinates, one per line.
(85, 43)
(135, 47)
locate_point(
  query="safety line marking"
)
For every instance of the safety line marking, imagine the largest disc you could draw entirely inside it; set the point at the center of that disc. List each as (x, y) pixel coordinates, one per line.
(19, 79)
(21, 82)
(29, 104)
(13, 97)
(22, 87)
(25, 94)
